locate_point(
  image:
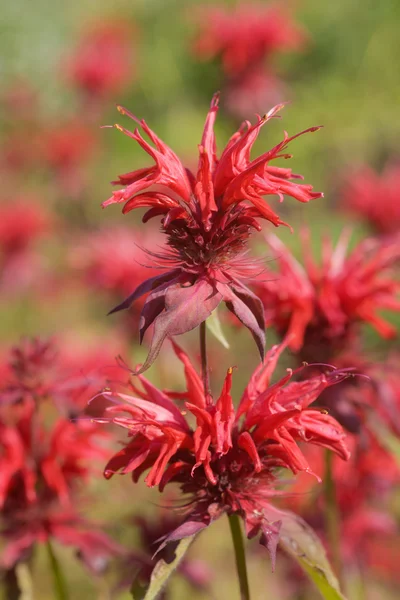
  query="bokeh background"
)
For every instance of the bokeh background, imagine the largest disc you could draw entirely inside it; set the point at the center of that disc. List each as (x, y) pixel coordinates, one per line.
(69, 261)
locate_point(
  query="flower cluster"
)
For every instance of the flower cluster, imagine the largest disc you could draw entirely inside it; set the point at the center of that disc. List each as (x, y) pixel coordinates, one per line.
(375, 198)
(246, 40)
(363, 490)
(230, 461)
(43, 465)
(320, 306)
(246, 36)
(208, 218)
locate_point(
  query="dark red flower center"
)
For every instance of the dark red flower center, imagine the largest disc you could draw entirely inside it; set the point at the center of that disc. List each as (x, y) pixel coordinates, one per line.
(199, 249)
(235, 478)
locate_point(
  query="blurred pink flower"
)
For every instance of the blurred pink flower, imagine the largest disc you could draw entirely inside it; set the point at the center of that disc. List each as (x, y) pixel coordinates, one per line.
(320, 307)
(102, 63)
(114, 259)
(244, 36)
(37, 371)
(44, 461)
(258, 88)
(38, 524)
(67, 150)
(23, 221)
(245, 39)
(364, 486)
(374, 197)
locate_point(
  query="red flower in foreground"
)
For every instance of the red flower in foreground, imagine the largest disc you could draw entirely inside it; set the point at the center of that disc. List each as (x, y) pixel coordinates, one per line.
(374, 197)
(208, 219)
(228, 463)
(320, 306)
(244, 37)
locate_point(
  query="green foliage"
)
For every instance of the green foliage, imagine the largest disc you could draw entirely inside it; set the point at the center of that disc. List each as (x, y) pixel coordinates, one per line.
(299, 540)
(161, 573)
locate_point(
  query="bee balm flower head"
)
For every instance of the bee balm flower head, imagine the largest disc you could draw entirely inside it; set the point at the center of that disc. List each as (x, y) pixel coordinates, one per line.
(228, 462)
(320, 307)
(208, 218)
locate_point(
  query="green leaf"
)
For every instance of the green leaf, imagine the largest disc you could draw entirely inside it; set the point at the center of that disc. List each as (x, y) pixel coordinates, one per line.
(24, 579)
(300, 541)
(214, 326)
(161, 573)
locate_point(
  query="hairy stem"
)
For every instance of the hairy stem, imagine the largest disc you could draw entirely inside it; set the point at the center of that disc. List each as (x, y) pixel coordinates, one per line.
(204, 362)
(60, 585)
(332, 517)
(240, 556)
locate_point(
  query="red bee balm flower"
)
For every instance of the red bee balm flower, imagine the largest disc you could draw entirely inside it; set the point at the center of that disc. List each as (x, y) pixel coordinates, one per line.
(375, 197)
(102, 62)
(208, 219)
(228, 462)
(247, 35)
(319, 307)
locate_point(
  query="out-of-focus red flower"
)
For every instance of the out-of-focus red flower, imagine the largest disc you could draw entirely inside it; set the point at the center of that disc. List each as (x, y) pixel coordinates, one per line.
(44, 462)
(228, 462)
(41, 469)
(363, 486)
(23, 529)
(37, 371)
(66, 146)
(20, 99)
(208, 219)
(40, 465)
(246, 35)
(22, 223)
(114, 260)
(102, 64)
(382, 392)
(375, 197)
(253, 91)
(66, 150)
(320, 306)
(16, 155)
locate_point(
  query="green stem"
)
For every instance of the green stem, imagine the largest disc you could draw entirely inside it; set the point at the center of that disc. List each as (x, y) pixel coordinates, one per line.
(204, 362)
(60, 585)
(240, 556)
(332, 517)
